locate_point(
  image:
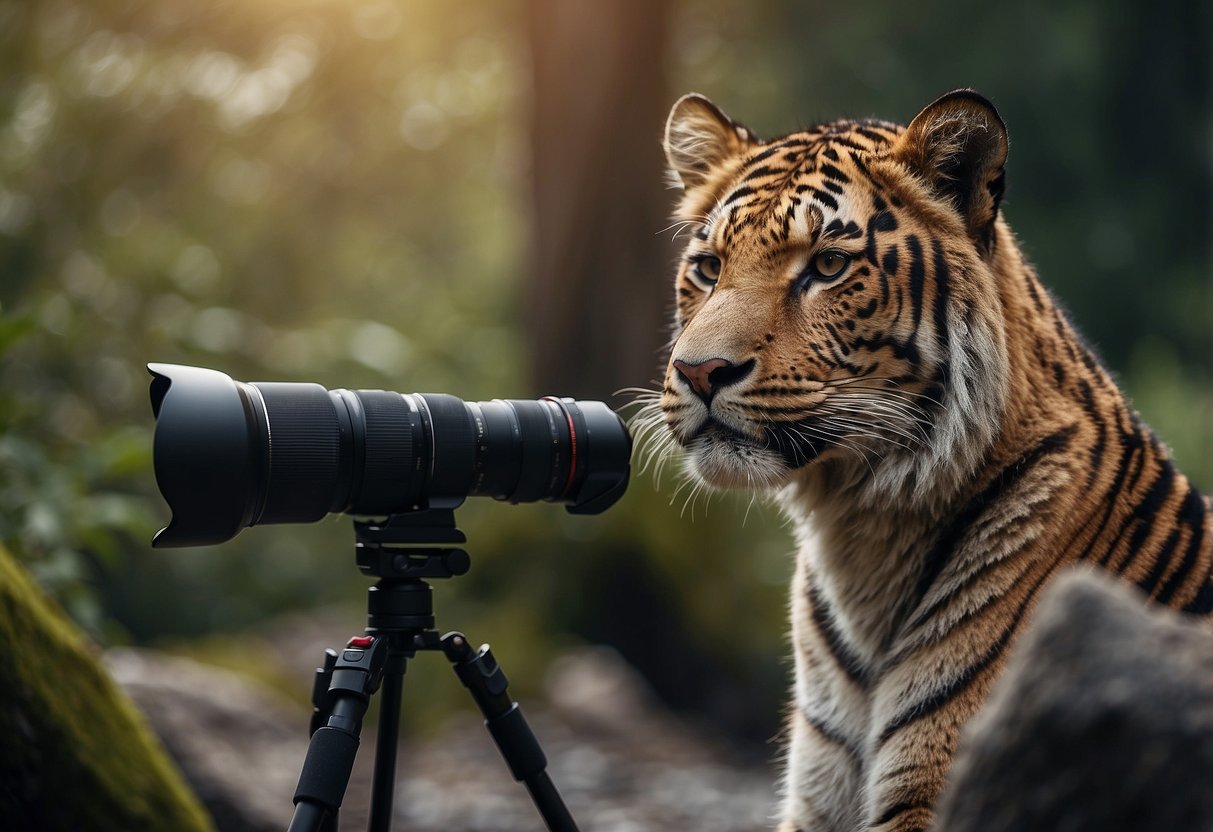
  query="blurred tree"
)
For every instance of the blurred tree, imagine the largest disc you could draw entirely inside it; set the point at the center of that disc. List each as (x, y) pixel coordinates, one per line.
(596, 298)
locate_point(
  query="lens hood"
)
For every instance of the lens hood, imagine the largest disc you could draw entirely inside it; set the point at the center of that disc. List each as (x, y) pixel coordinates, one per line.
(209, 453)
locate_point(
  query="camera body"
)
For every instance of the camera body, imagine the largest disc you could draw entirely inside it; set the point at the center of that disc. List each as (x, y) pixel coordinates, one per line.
(231, 454)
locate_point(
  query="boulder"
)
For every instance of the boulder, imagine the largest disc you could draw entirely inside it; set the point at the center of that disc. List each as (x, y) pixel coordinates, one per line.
(1102, 721)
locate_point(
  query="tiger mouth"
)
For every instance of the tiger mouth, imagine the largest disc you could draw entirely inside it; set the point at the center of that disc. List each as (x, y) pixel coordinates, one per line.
(790, 443)
(713, 429)
(726, 457)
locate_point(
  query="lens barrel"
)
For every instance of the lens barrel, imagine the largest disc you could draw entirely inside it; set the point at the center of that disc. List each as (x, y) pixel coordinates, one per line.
(231, 454)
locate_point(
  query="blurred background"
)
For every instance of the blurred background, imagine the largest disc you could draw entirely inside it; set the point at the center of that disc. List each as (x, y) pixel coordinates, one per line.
(468, 198)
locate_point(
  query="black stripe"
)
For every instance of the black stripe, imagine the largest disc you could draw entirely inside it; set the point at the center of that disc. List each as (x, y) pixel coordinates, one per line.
(1202, 603)
(831, 734)
(1147, 512)
(898, 771)
(825, 198)
(846, 350)
(888, 263)
(1101, 439)
(1192, 513)
(907, 352)
(1059, 373)
(1132, 445)
(939, 555)
(821, 356)
(867, 310)
(856, 155)
(942, 290)
(738, 193)
(918, 275)
(1033, 293)
(872, 135)
(900, 809)
(763, 170)
(878, 222)
(884, 221)
(1146, 439)
(769, 152)
(959, 684)
(1144, 513)
(1161, 559)
(844, 657)
(831, 172)
(975, 577)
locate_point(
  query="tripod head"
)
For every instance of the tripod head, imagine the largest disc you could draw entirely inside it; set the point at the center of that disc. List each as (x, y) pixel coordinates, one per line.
(403, 551)
(413, 544)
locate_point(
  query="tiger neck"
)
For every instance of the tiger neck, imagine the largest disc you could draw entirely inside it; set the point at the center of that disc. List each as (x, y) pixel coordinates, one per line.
(866, 550)
(863, 563)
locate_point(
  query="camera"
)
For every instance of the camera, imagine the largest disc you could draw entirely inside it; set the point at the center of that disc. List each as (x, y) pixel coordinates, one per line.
(230, 454)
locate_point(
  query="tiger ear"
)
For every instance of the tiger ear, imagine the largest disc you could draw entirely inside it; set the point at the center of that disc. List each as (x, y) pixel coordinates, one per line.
(958, 144)
(698, 136)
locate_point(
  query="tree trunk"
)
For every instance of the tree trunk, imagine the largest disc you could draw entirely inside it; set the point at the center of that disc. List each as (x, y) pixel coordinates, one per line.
(596, 301)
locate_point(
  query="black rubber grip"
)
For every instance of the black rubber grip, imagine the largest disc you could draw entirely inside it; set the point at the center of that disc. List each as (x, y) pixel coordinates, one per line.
(305, 443)
(327, 767)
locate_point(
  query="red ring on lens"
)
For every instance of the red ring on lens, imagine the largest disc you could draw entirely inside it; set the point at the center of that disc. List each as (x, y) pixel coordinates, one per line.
(572, 442)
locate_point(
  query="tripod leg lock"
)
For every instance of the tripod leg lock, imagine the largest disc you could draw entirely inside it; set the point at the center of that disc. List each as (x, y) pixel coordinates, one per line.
(481, 675)
(517, 744)
(340, 695)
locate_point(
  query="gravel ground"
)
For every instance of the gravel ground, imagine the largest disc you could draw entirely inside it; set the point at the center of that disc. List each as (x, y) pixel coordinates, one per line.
(621, 762)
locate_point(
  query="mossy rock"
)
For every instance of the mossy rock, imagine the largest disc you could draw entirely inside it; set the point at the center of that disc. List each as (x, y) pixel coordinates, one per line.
(74, 752)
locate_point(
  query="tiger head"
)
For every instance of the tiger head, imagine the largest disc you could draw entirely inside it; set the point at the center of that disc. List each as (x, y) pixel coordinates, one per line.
(838, 306)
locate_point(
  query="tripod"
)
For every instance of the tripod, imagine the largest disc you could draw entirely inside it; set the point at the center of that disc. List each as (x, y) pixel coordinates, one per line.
(401, 553)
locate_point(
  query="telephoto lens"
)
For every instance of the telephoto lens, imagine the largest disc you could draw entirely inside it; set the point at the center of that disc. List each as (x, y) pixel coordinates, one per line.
(230, 454)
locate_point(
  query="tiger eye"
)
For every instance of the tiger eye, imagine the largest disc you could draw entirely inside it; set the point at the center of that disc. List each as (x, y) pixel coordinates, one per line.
(709, 269)
(830, 263)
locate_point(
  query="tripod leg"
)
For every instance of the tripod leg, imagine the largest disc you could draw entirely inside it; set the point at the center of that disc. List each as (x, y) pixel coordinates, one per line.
(353, 677)
(383, 783)
(481, 675)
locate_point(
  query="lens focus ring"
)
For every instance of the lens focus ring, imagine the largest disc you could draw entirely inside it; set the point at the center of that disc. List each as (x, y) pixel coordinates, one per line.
(453, 441)
(390, 474)
(304, 449)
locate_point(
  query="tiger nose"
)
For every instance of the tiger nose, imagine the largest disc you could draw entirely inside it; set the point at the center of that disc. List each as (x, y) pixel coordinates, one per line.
(707, 377)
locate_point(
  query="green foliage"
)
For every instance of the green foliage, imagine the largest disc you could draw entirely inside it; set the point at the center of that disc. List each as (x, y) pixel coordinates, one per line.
(75, 754)
(56, 506)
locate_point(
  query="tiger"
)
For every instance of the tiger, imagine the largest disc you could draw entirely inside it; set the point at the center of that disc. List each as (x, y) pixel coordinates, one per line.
(859, 336)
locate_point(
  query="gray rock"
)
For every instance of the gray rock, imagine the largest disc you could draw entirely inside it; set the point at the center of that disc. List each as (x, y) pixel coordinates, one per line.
(1103, 721)
(239, 745)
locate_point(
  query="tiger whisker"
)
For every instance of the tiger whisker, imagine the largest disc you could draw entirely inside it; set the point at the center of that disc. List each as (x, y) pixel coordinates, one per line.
(918, 438)
(854, 427)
